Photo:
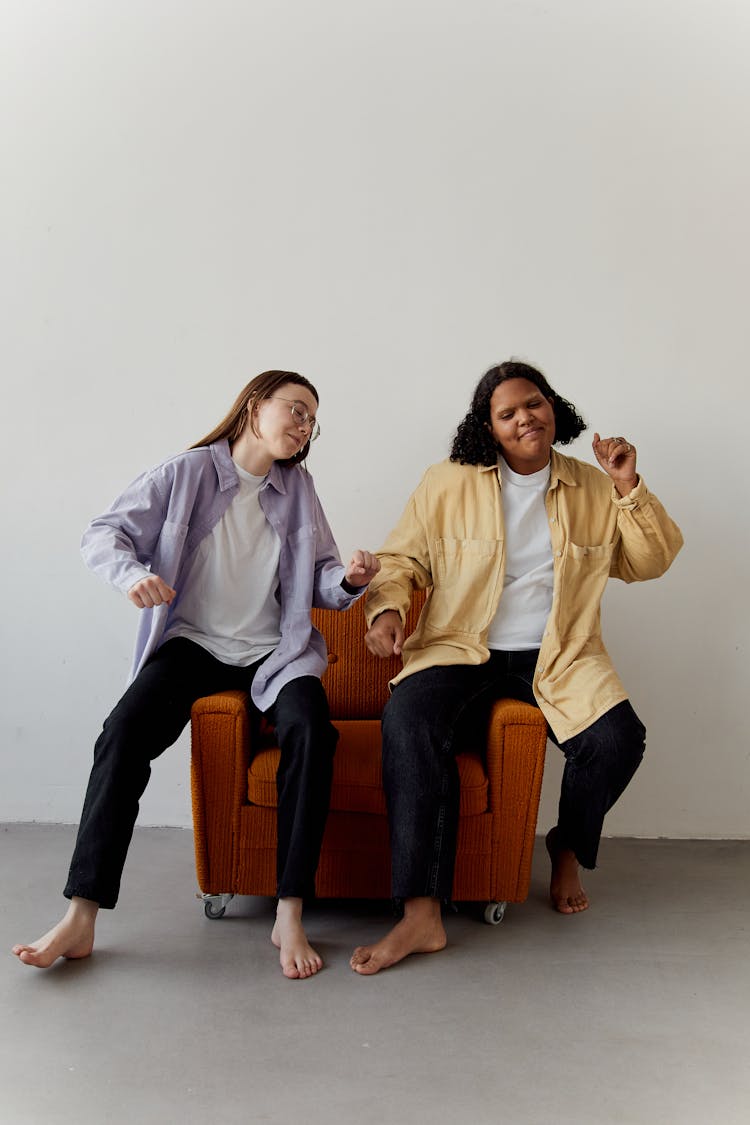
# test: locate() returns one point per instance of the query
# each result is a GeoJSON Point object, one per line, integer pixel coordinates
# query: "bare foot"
{"type": "Point", "coordinates": [72, 937]}
{"type": "Point", "coordinates": [298, 958]}
{"type": "Point", "coordinates": [420, 930]}
{"type": "Point", "coordinates": [565, 890]}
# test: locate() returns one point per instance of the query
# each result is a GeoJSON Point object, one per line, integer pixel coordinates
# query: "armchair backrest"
{"type": "Point", "coordinates": [356, 682]}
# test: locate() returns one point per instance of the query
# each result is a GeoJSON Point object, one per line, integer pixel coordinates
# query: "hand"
{"type": "Point", "coordinates": [151, 591]}
{"type": "Point", "coordinates": [617, 457]}
{"type": "Point", "coordinates": [362, 568]}
{"type": "Point", "coordinates": [385, 637]}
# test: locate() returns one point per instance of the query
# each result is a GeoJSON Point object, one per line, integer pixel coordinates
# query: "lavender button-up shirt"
{"type": "Point", "coordinates": [156, 524]}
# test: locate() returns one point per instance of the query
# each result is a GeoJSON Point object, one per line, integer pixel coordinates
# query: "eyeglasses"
{"type": "Point", "coordinates": [302, 415]}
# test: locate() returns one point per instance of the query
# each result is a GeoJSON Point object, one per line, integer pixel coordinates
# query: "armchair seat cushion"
{"type": "Point", "coordinates": [357, 785]}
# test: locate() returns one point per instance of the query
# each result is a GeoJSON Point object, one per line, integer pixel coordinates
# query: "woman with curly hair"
{"type": "Point", "coordinates": [516, 542]}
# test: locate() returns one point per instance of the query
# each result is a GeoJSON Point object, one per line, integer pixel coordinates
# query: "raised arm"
{"type": "Point", "coordinates": [649, 538]}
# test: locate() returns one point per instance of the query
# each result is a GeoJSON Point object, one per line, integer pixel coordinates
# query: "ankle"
{"type": "Point", "coordinates": [422, 909]}
{"type": "Point", "coordinates": [289, 909]}
{"type": "Point", "coordinates": [84, 909]}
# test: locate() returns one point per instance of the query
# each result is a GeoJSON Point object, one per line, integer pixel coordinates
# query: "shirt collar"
{"type": "Point", "coordinates": [277, 477]}
{"type": "Point", "coordinates": [560, 471]}
{"type": "Point", "coordinates": [227, 473]}
{"type": "Point", "coordinates": [223, 464]}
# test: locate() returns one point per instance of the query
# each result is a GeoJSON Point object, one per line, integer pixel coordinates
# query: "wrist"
{"type": "Point", "coordinates": [625, 487]}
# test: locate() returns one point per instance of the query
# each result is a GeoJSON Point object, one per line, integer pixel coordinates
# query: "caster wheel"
{"type": "Point", "coordinates": [494, 913]}
{"type": "Point", "coordinates": [212, 911]}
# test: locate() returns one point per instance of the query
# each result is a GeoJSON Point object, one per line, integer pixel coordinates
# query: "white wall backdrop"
{"type": "Point", "coordinates": [389, 198]}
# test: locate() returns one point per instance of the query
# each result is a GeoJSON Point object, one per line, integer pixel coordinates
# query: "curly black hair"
{"type": "Point", "coordinates": [474, 443]}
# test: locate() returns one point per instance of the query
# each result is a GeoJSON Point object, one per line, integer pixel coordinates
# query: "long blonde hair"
{"type": "Point", "coordinates": [257, 390]}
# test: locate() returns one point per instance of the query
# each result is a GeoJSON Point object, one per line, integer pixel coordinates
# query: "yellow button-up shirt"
{"type": "Point", "coordinates": [451, 538]}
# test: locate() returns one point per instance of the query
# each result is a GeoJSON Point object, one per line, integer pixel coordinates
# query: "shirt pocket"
{"type": "Point", "coordinates": [584, 577]}
{"type": "Point", "coordinates": [297, 567]}
{"type": "Point", "coordinates": [465, 580]}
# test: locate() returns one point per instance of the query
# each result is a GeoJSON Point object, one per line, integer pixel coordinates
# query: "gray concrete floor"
{"type": "Point", "coordinates": [634, 1012]}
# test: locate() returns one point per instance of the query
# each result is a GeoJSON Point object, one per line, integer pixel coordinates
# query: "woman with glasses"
{"type": "Point", "coordinates": [223, 549]}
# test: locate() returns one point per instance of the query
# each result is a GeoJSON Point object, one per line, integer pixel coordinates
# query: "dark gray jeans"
{"type": "Point", "coordinates": [433, 714]}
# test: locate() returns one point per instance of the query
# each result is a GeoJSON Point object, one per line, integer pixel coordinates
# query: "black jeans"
{"type": "Point", "coordinates": [433, 714]}
{"type": "Point", "coordinates": [150, 717]}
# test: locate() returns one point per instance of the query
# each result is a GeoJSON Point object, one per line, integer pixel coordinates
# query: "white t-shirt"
{"type": "Point", "coordinates": [527, 591]}
{"type": "Point", "coordinates": [230, 604]}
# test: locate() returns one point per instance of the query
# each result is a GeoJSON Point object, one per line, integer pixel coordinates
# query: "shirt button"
{"type": "Point", "coordinates": [558, 554]}
{"type": "Point", "coordinates": [553, 520]}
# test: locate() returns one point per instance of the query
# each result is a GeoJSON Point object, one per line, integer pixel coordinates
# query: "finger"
{"type": "Point", "coordinates": [366, 561]}
{"type": "Point", "coordinates": [382, 640]}
{"type": "Point", "coordinates": [139, 594]}
{"type": "Point", "coordinates": [165, 592]}
{"type": "Point", "coordinates": [151, 592]}
{"type": "Point", "coordinates": [599, 446]}
{"type": "Point", "coordinates": [620, 448]}
{"type": "Point", "coordinates": [150, 595]}
{"type": "Point", "coordinates": [374, 645]}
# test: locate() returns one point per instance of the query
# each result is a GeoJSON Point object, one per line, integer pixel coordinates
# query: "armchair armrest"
{"type": "Point", "coordinates": [220, 757]}
{"type": "Point", "coordinates": [516, 746]}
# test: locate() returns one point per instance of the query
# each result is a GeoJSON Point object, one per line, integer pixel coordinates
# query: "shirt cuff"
{"type": "Point", "coordinates": [634, 498]}
{"type": "Point", "coordinates": [352, 591]}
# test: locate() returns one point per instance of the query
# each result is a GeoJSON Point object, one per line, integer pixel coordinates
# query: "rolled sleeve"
{"type": "Point", "coordinates": [649, 539]}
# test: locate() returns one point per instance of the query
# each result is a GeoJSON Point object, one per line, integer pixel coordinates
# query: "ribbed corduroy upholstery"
{"type": "Point", "coordinates": [234, 790]}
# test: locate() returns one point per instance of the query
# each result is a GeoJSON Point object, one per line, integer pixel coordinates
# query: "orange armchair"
{"type": "Point", "coordinates": [234, 789]}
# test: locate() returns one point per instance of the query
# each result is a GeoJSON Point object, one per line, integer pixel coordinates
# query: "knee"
{"type": "Point", "coordinates": [616, 741]}
{"type": "Point", "coordinates": [633, 735]}
{"type": "Point", "coordinates": [306, 733]}
{"type": "Point", "coordinates": [629, 738]}
{"type": "Point", "coordinates": [123, 736]}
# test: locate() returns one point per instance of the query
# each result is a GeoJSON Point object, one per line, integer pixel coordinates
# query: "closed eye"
{"type": "Point", "coordinates": [302, 415]}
